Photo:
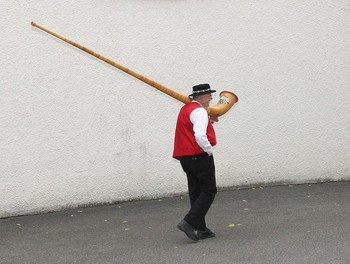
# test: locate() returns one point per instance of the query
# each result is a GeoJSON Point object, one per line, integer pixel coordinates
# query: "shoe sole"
{"type": "Point", "coordinates": [190, 235]}
{"type": "Point", "coordinates": [201, 238]}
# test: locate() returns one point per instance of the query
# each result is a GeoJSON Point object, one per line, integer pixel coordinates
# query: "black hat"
{"type": "Point", "coordinates": [201, 89]}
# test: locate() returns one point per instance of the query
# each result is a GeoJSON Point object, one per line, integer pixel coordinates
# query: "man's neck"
{"type": "Point", "coordinates": [198, 103]}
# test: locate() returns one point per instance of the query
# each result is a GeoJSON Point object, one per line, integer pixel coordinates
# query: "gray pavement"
{"type": "Point", "coordinates": [283, 224]}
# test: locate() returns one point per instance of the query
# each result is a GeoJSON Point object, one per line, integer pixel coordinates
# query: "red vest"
{"type": "Point", "coordinates": [185, 143]}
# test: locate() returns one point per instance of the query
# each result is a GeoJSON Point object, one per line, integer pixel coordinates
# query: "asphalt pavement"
{"type": "Point", "coordinates": [308, 223]}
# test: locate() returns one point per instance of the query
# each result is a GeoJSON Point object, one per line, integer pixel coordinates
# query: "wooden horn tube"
{"type": "Point", "coordinates": [181, 97]}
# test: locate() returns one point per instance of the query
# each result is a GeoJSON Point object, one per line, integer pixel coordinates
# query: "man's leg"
{"type": "Point", "coordinates": [204, 173]}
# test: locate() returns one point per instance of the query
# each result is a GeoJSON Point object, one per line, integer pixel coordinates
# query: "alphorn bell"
{"type": "Point", "coordinates": [226, 101]}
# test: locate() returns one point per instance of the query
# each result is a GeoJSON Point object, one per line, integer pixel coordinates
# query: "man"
{"type": "Point", "coordinates": [193, 146]}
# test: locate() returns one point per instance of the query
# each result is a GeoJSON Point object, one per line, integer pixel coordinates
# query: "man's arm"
{"type": "Point", "coordinates": [199, 119]}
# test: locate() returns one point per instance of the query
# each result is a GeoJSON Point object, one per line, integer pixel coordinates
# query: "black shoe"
{"type": "Point", "coordinates": [205, 234]}
{"type": "Point", "coordinates": [188, 230]}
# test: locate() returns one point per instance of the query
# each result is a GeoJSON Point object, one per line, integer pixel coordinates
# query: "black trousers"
{"type": "Point", "coordinates": [200, 171]}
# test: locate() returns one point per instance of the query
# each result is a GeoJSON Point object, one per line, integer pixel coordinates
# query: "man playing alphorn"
{"type": "Point", "coordinates": [193, 146]}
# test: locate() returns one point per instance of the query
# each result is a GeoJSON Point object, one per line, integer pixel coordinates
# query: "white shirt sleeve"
{"type": "Point", "coordinates": [199, 119]}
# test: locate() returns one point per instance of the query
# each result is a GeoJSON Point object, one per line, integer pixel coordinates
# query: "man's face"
{"type": "Point", "coordinates": [205, 99]}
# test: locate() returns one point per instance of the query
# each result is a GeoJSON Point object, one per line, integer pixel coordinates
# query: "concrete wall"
{"type": "Point", "coordinates": [76, 131]}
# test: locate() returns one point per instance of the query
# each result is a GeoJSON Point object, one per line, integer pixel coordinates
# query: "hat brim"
{"type": "Point", "coordinates": [202, 93]}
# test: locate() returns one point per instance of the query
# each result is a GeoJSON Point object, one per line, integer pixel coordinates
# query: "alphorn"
{"type": "Point", "coordinates": [226, 101]}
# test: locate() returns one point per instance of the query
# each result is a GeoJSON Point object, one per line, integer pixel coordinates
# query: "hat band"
{"type": "Point", "coordinates": [201, 91]}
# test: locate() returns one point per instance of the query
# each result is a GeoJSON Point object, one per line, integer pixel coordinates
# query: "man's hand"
{"type": "Point", "coordinates": [213, 119]}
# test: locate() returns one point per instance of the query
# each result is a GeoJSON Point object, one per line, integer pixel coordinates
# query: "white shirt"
{"type": "Point", "coordinates": [199, 119]}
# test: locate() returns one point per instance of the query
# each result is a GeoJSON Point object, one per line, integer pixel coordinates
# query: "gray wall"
{"type": "Point", "coordinates": [76, 131]}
